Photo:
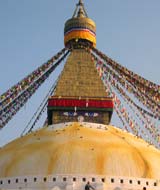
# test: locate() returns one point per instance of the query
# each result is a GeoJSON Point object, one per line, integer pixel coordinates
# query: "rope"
{"type": "Point", "coordinates": [39, 111]}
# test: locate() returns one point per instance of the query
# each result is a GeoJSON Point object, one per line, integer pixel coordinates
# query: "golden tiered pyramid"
{"type": "Point", "coordinates": [80, 77]}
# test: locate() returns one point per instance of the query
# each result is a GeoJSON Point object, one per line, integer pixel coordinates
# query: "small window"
{"type": "Point", "coordinates": [130, 181]}
{"type": "Point", "coordinates": [139, 182]}
{"type": "Point", "coordinates": [93, 179]}
{"type": "Point", "coordinates": [64, 179]}
{"type": "Point", "coordinates": [144, 188]}
{"type": "Point", "coordinates": [35, 179]}
{"type": "Point", "coordinates": [103, 180]}
{"type": "Point", "coordinates": [147, 183]}
{"type": "Point", "coordinates": [121, 181]}
{"type": "Point", "coordinates": [84, 179]}
{"type": "Point", "coordinates": [9, 181]}
{"type": "Point", "coordinates": [54, 179]}
{"type": "Point", "coordinates": [112, 180]}
{"type": "Point", "coordinates": [155, 184]}
{"type": "Point", "coordinates": [44, 179]}
{"type": "Point", "coordinates": [16, 180]}
{"type": "Point", "coordinates": [25, 180]}
{"type": "Point", "coordinates": [1, 182]}
{"type": "Point", "coordinates": [74, 179]}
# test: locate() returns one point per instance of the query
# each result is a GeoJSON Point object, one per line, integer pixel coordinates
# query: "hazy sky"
{"type": "Point", "coordinates": [31, 31]}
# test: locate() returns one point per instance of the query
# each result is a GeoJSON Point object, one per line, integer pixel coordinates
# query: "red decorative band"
{"type": "Point", "coordinates": [80, 103]}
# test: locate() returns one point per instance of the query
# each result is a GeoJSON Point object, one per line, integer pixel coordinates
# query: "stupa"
{"type": "Point", "coordinates": [79, 144]}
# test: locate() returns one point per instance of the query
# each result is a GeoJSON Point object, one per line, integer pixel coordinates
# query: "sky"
{"type": "Point", "coordinates": [31, 32]}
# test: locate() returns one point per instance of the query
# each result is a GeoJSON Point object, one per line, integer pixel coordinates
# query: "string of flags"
{"type": "Point", "coordinates": [7, 111]}
{"type": "Point", "coordinates": [141, 121]}
{"type": "Point", "coordinates": [21, 86]}
{"type": "Point", "coordinates": [131, 87]}
{"type": "Point", "coordinates": [146, 87]}
{"type": "Point", "coordinates": [42, 107]}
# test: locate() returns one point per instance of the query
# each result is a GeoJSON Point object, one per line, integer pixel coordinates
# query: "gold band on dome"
{"type": "Point", "coordinates": [79, 34]}
{"type": "Point", "coordinates": [80, 22]}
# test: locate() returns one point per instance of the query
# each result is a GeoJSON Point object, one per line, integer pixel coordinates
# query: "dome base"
{"type": "Point", "coordinates": [77, 182]}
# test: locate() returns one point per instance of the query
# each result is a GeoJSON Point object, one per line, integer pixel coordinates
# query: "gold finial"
{"type": "Point", "coordinates": [80, 2]}
{"type": "Point", "coordinates": [80, 10]}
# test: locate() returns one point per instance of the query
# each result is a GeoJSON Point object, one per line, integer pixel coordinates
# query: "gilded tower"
{"type": "Point", "coordinates": [80, 93]}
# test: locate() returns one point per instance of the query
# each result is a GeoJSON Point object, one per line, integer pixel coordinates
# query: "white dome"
{"type": "Point", "coordinates": [80, 148]}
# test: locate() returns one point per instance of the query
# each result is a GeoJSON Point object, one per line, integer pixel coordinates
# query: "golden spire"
{"type": "Point", "coordinates": [80, 91]}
